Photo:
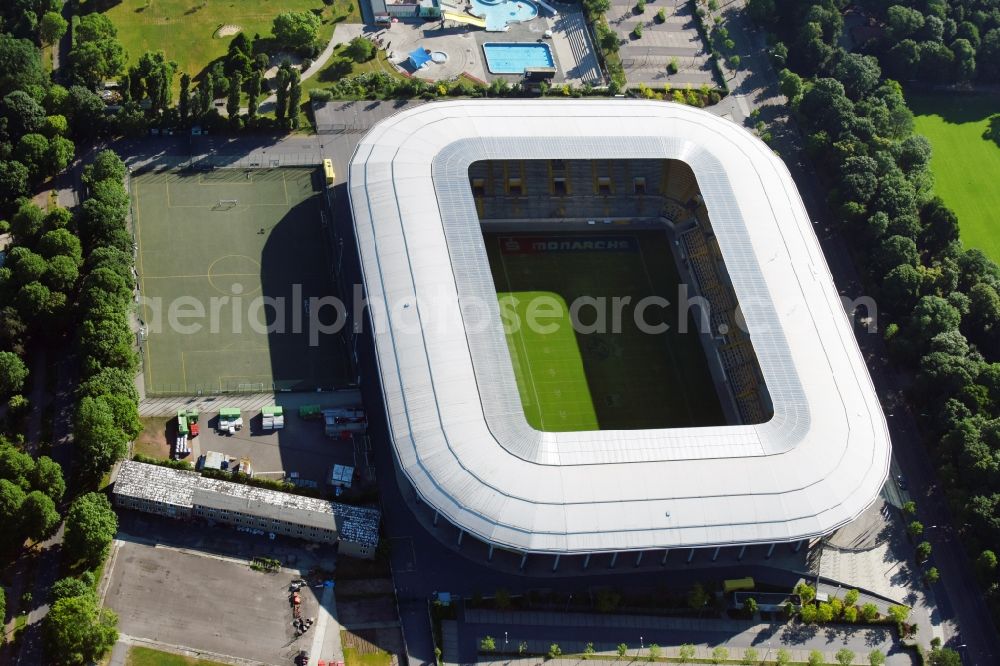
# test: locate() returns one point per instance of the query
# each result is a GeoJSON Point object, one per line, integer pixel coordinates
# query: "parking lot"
{"type": "Point", "coordinates": [205, 602]}
{"type": "Point", "coordinates": [300, 446]}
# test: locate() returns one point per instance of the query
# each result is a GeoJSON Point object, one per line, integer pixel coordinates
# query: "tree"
{"type": "Point", "coordinates": [253, 94]}
{"type": "Point", "coordinates": [11, 499]}
{"type": "Point", "coordinates": [294, 100]}
{"type": "Point", "coordinates": [860, 74]}
{"type": "Point", "coordinates": [933, 315]}
{"type": "Point", "coordinates": [85, 111]}
{"type": "Point", "coordinates": [47, 477]}
{"type": "Point", "coordinates": [65, 588]}
{"type": "Point", "coordinates": [869, 612]}
{"type": "Point", "coordinates": [719, 655]}
{"type": "Point", "coordinates": [915, 528]}
{"type": "Point", "coordinates": [686, 653]}
{"type": "Point", "coordinates": [39, 517]}
{"type": "Point", "coordinates": [824, 612]}
{"type": "Point", "coordinates": [932, 575]}
{"type": "Point", "coordinates": [106, 166]}
{"type": "Point", "coordinates": [281, 81]}
{"type": "Point", "coordinates": [986, 565]}
{"type": "Point", "coordinates": [750, 657]}
{"type": "Point", "coordinates": [51, 28]}
{"type": "Point", "coordinates": [32, 150]}
{"type": "Point", "coordinates": [184, 101]}
{"type": "Point", "coordinates": [588, 650]}
{"type": "Point", "coordinates": [622, 650]}
{"type": "Point", "coordinates": [295, 29]}
{"type": "Point", "coordinates": [487, 644]}
{"type": "Point", "coordinates": [20, 65]}
{"type": "Point", "coordinates": [876, 658]}
{"type": "Point", "coordinates": [97, 435]}
{"type": "Point", "coordinates": [899, 614]}
{"type": "Point", "coordinates": [903, 22]}
{"type": "Point", "coordinates": [23, 114]}
{"type": "Point", "coordinates": [988, 53]}
{"type": "Point", "coordinates": [851, 597]}
{"type": "Point", "coordinates": [96, 54]}
{"type": "Point", "coordinates": [965, 60]}
{"type": "Point", "coordinates": [698, 598]}
{"type": "Point", "coordinates": [750, 606]}
{"type": "Point", "coordinates": [554, 651]}
{"type": "Point", "coordinates": [25, 266]}
{"type": "Point", "coordinates": [792, 85]}
{"type": "Point", "coordinates": [58, 155]}
{"type": "Point", "coordinates": [808, 613]}
{"type": "Point", "coordinates": [815, 658]}
{"type": "Point", "coordinates": [233, 100]}
{"type": "Point", "coordinates": [13, 179]}
{"type": "Point", "coordinates": [782, 657]}
{"type": "Point", "coordinates": [654, 651]}
{"type": "Point", "coordinates": [944, 657]}
{"type": "Point", "coordinates": [923, 551]}
{"type": "Point", "coordinates": [844, 657]}
{"type": "Point", "coordinates": [806, 592]}
{"type": "Point", "coordinates": [360, 49]}
{"type": "Point", "coordinates": [76, 631]}
{"type": "Point", "coordinates": [90, 526]}
{"type": "Point", "coordinates": [13, 374]}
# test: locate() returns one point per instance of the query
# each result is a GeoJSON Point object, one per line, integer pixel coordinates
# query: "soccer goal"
{"type": "Point", "coordinates": [226, 204]}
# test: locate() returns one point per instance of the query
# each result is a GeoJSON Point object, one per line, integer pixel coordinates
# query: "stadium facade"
{"type": "Point", "coordinates": [453, 410]}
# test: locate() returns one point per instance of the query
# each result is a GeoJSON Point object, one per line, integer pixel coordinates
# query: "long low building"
{"type": "Point", "coordinates": [814, 461]}
{"type": "Point", "coordinates": [185, 494]}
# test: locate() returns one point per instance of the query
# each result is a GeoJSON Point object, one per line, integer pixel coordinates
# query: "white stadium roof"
{"type": "Point", "coordinates": [454, 414]}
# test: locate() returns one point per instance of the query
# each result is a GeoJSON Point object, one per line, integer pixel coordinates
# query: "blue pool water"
{"type": "Point", "coordinates": [514, 58]}
{"type": "Point", "coordinates": [498, 13]}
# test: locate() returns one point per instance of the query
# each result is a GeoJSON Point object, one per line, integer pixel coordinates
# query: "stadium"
{"type": "Point", "coordinates": [736, 411]}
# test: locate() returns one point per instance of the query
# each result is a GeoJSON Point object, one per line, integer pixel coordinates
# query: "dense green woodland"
{"type": "Point", "coordinates": [65, 286]}
{"type": "Point", "coordinates": [939, 307]}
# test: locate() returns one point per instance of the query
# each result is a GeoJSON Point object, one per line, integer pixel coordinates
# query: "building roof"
{"type": "Point", "coordinates": [188, 489]}
{"type": "Point", "coordinates": [451, 399]}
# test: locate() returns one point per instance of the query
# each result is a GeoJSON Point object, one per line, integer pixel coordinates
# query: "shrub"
{"type": "Point", "coordinates": [637, 31]}
{"type": "Point", "coordinates": [661, 16]}
{"type": "Point", "coordinates": [673, 66]}
{"type": "Point", "coordinates": [640, 7]}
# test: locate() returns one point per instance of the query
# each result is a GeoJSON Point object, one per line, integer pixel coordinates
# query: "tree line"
{"type": "Point", "coordinates": [939, 302]}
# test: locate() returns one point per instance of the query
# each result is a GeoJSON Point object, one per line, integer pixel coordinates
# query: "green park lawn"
{"type": "Point", "coordinates": [184, 29]}
{"type": "Point", "coordinates": [966, 166]}
{"type": "Point", "coordinates": [141, 656]}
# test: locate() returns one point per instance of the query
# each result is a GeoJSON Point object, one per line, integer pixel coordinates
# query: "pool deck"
{"type": "Point", "coordinates": [572, 50]}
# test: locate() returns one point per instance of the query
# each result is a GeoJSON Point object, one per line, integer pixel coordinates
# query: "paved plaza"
{"type": "Point", "coordinates": [645, 59]}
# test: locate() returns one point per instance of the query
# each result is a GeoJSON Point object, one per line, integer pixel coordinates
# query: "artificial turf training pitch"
{"type": "Point", "coordinates": [573, 380]}
{"type": "Point", "coordinates": [197, 256]}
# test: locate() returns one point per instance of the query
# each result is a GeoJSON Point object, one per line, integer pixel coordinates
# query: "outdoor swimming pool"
{"type": "Point", "coordinates": [498, 13]}
{"type": "Point", "coordinates": [514, 57]}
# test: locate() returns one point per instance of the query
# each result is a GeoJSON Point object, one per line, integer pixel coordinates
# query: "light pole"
{"type": "Point", "coordinates": [641, 646]}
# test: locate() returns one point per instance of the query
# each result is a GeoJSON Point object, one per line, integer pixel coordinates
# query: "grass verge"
{"type": "Point", "coordinates": [966, 165]}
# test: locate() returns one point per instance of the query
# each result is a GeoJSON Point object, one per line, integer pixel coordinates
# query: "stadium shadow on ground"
{"type": "Point", "coordinates": [297, 269]}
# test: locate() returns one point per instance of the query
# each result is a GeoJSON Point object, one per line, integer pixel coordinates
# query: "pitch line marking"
{"type": "Point", "coordinates": [524, 348]}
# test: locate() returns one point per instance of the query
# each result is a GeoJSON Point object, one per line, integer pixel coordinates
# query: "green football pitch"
{"type": "Point", "coordinates": [966, 165]}
{"type": "Point", "coordinates": [228, 261]}
{"type": "Point", "coordinates": [599, 377]}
